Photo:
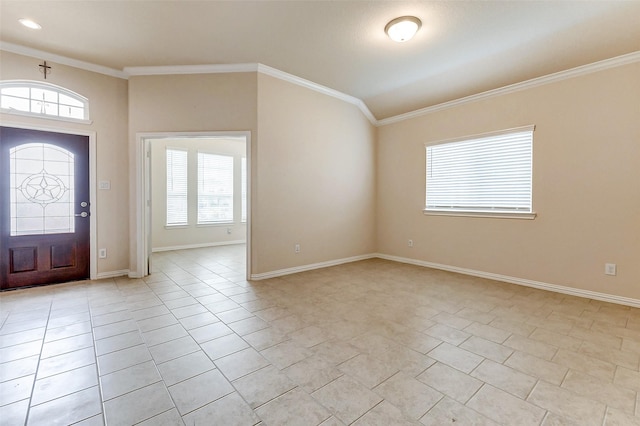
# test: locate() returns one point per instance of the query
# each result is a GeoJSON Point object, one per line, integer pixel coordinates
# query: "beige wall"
{"type": "Point", "coordinates": [320, 180]}
{"type": "Point", "coordinates": [586, 186]}
{"type": "Point", "coordinates": [315, 178]}
{"type": "Point", "coordinates": [108, 107]}
{"type": "Point", "coordinates": [188, 103]}
{"type": "Point", "coordinates": [162, 236]}
{"type": "Point", "coordinates": [312, 159]}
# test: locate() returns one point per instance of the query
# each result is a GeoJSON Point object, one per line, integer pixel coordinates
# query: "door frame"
{"type": "Point", "coordinates": [142, 203]}
{"type": "Point", "coordinates": [93, 218]}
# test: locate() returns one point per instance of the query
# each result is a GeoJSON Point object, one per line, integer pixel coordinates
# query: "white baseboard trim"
{"type": "Point", "coordinates": [303, 268]}
{"type": "Point", "coordinates": [611, 298]}
{"type": "Point", "coordinates": [111, 274]}
{"type": "Point", "coordinates": [192, 246]}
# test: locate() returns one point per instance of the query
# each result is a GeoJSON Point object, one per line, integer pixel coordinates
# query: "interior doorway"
{"type": "Point", "coordinates": [195, 193]}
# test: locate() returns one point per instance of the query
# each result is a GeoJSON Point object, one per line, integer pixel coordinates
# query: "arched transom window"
{"type": "Point", "coordinates": [42, 100]}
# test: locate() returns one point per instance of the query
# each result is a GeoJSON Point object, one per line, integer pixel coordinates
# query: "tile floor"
{"type": "Point", "coordinates": [367, 343]}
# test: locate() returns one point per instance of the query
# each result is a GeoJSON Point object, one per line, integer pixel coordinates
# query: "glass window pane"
{"type": "Point", "coordinates": [41, 189]}
{"type": "Point", "coordinates": [67, 100]}
{"type": "Point", "coordinates": [37, 107]}
{"type": "Point", "coordinates": [71, 112]}
{"type": "Point", "coordinates": [177, 206]}
{"type": "Point", "coordinates": [29, 226]}
{"type": "Point", "coordinates": [20, 92]}
{"type": "Point", "coordinates": [28, 209]}
{"type": "Point", "coordinates": [215, 188]}
{"type": "Point", "coordinates": [18, 104]}
{"type": "Point", "coordinates": [50, 108]}
{"type": "Point", "coordinates": [44, 95]}
{"type": "Point", "coordinates": [40, 98]}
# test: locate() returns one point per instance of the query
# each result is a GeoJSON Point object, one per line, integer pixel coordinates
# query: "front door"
{"type": "Point", "coordinates": [44, 207]}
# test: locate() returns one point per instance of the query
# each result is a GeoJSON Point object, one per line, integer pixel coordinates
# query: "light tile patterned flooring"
{"type": "Point", "coordinates": [367, 343]}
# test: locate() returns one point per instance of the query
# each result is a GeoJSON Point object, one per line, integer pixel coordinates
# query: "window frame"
{"type": "Point", "coordinates": [243, 190]}
{"type": "Point", "coordinates": [491, 213]}
{"type": "Point", "coordinates": [30, 85]}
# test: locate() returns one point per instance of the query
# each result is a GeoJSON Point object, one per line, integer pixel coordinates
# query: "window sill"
{"type": "Point", "coordinates": [206, 225]}
{"type": "Point", "coordinates": [186, 225]}
{"type": "Point", "coordinates": [495, 215]}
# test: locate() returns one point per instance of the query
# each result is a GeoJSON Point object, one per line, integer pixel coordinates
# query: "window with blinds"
{"type": "Point", "coordinates": [215, 188]}
{"type": "Point", "coordinates": [490, 173]}
{"type": "Point", "coordinates": [177, 187]}
{"type": "Point", "coordinates": [243, 177]}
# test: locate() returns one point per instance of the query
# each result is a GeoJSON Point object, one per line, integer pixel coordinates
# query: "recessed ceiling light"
{"type": "Point", "coordinates": [403, 28]}
{"type": "Point", "coordinates": [30, 24]}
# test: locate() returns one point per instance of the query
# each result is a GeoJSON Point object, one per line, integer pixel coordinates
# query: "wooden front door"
{"type": "Point", "coordinates": [44, 207]}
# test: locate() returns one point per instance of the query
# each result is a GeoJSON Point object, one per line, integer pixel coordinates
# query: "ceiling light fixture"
{"type": "Point", "coordinates": [403, 28]}
{"type": "Point", "coordinates": [30, 24]}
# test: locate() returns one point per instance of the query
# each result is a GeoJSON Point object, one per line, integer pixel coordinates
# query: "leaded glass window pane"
{"type": "Point", "coordinates": [41, 187]}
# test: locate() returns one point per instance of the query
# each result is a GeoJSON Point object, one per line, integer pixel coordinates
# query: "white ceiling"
{"type": "Point", "coordinates": [463, 48]}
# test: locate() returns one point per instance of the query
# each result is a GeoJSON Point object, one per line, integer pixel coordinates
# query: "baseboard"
{"type": "Point", "coordinates": [620, 300]}
{"type": "Point", "coordinates": [192, 246]}
{"type": "Point", "coordinates": [111, 274]}
{"type": "Point", "coordinates": [611, 298]}
{"type": "Point", "coordinates": [310, 267]}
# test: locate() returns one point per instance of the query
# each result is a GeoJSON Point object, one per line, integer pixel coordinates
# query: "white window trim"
{"type": "Point", "coordinates": [178, 226]}
{"type": "Point", "coordinates": [47, 86]}
{"type": "Point", "coordinates": [497, 214]}
{"type": "Point", "coordinates": [214, 224]}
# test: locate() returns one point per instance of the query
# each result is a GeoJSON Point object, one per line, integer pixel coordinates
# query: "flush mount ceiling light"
{"type": "Point", "coordinates": [30, 24]}
{"type": "Point", "coordinates": [403, 28]}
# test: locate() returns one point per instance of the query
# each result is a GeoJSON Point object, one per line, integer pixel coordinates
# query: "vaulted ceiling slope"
{"type": "Point", "coordinates": [463, 48]}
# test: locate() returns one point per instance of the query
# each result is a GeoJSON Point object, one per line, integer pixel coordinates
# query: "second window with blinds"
{"type": "Point", "coordinates": [217, 178]}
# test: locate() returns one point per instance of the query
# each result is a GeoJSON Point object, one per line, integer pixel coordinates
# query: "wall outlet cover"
{"type": "Point", "coordinates": [610, 268]}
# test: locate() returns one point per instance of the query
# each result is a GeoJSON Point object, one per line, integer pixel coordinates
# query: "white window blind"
{"type": "Point", "coordinates": [244, 189]}
{"type": "Point", "coordinates": [489, 173]}
{"type": "Point", "coordinates": [215, 188]}
{"type": "Point", "coordinates": [176, 187]}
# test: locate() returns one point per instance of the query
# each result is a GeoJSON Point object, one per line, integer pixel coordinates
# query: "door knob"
{"type": "Point", "coordinates": [83, 214]}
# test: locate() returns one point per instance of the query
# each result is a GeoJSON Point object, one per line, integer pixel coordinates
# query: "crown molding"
{"type": "Point", "coordinates": [267, 70]}
{"type": "Point", "coordinates": [191, 69]}
{"type": "Point", "coordinates": [63, 60]}
{"type": "Point", "coordinates": [273, 72]}
{"type": "Point", "coordinates": [617, 61]}
{"type": "Point", "coordinates": [252, 67]}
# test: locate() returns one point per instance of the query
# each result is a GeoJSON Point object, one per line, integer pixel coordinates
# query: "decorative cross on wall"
{"type": "Point", "coordinates": [45, 69]}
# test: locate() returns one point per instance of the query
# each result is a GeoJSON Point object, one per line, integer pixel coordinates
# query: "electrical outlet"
{"type": "Point", "coordinates": [297, 248]}
{"type": "Point", "coordinates": [102, 253]}
{"type": "Point", "coordinates": [609, 268]}
{"type": "Point", "coordinates": [410, 243]}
